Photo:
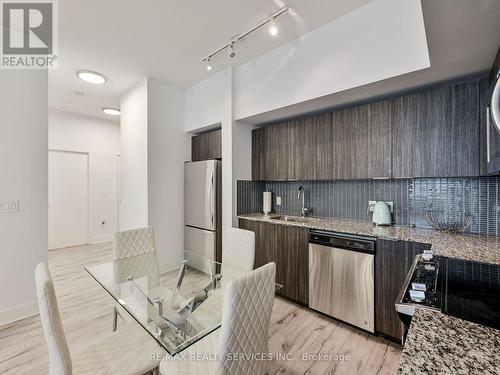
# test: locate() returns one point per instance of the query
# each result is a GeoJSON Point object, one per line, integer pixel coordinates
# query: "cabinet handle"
{"type": "Point", "coordinates": [488, 124]}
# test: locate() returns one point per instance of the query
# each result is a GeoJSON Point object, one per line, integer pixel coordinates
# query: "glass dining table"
{"type": "Point", "coordinates": [177, 307]}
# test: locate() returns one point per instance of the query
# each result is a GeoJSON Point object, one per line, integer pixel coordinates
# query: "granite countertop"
{"type": "Point", "coordinates": [454, 245]}
{"type": "Point", "coordinates": [441, 344]}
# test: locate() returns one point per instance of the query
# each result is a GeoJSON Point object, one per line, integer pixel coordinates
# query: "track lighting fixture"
{"type": "Point", "coordinates": [230, 50]}
{"type": "Point", "coordinates": [273, 30]}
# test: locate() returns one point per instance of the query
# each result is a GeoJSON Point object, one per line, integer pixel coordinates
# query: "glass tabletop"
{"type": "Point", "coordinates": [177, 307]}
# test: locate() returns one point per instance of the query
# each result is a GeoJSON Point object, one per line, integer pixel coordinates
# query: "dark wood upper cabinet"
{"type": "Point", "coordinates": [379, 161]}
{"type": "Point", "coordinates": [309, 157]}
{"type": "Point", "coordinates": [484, 94]}
{"type": "Point", "coordinates": [361, 146]}
{"type": "Point", "coordinates": [206, 146]}
{"type": "Point", "coordinates": [393, 260]}
{"type": "Point", "coordinates": [436, 132]}
{"type": "Point", "coordinates": [433, 133]}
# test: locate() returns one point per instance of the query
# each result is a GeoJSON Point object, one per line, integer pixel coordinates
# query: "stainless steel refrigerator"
{"type": "Point", "coordinates": [202, 208]}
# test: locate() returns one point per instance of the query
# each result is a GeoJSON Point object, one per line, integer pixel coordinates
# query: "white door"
{"type": "Point", "coordinates": [68, 199]}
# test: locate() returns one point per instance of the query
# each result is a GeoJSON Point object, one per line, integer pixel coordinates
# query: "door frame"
{"type": "Point", "coordinates": [87, 154]}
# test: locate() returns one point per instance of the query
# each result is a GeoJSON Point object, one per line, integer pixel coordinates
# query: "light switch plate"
{"type": "Point", "coordinates": [278, 201]}
{"type": "Point", "coordinates": [9, 206]}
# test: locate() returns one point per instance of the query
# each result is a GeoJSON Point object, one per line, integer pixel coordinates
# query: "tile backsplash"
{"type": "Point", "coordinates": [479, 196]}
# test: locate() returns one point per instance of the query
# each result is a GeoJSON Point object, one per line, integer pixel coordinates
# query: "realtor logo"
{"type": "Point", "coordinates": [29, 34]}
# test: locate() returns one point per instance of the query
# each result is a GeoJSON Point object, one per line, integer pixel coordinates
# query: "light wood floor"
{"type": "Point", "coordinates": [86, 312]}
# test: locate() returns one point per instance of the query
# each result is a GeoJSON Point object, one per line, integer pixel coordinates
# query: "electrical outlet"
{"type": "Point", "coordinates": [9, 206]}
{"type": "Point", "coordinates": [278, 201]}
{"type": "Point", "coordinates": [371, 205]}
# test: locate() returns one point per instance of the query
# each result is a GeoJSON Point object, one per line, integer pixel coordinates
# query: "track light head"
{"type": "Point", "coordinates": [209, 66]}
{"type": "Point", "coordinates": [273, 28]}
{"type": "Point", "coordinates": [230, 50]}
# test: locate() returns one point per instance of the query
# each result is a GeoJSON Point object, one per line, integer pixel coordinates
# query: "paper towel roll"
{"type": "Point", "coordinates": [267, 199]}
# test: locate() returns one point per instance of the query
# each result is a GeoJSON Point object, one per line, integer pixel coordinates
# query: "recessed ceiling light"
{"type": "Point", "coordinates": [111, 111]}
{"type": "Point", "coordinates": [91, 77]}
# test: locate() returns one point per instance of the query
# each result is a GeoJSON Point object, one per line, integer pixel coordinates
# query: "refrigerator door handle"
{"type": "Point", "coordinates": [210, 197]}
{"type": "Point", "coordinates": [488, 125]}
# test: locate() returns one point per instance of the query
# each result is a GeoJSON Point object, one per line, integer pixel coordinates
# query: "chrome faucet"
{"type": "Point", "coordinates": [303, 210]}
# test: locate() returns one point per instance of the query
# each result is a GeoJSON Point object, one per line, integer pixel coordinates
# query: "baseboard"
{"type": "Point", "coordinates": [18, 313]}
{"type": "Point", "coordinates": [101, 239]}
{"type": "Point", "coordinates": [170, 266]}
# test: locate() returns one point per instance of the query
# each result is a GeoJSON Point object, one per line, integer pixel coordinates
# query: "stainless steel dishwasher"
{"type": "Point", "coordinates": [341, 269]}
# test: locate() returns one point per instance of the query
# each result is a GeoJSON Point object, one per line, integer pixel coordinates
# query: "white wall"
{"type": "Point", "coordinates": [23, 162]}
{"type": "Point", "coordinates": [380, 40]}
{"type": "Point", "coordinates": [166, 155]}
{"type": "Point", "coordinates": [101, 140]}
{"type": "Point", "coordinates": [206, 101]}
{"type": "Point", "coordinates": [242, 160]}
{"type": "Point", "coordinates": [134, 158]}
{"type": "Point", "coordinates": [211, 102]}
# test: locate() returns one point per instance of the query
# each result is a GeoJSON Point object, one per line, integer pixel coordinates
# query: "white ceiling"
{"type": "Point", "coordinates": [165, 39]}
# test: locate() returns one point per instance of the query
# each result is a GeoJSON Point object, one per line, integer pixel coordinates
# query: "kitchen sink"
{"type": "Point", "coordinates": [293, 219]}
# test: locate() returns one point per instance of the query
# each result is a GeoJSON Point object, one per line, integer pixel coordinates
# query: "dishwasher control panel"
{"type": "Point", "coordinates": [343, 241]}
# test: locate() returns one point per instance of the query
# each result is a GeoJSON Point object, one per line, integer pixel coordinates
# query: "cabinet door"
{"type": "Point", "coordinates": [287, 247]}
{"type": "Point", "coordinates": [265, 241]}
{"type": "Point", "coordinates": [214, 144]}
{"type": "Point", "coordinates": [484, 92]}
{"type": "Point", "coordinates": [436, 132]}
{"type": "Point", "coordinates": [281, 136]}
{"type": "Point", "coordinates": [309, 148]}
{"type": "Point", "coordinates": [350, 144]}
{"type": "Point", "coordinates": [262, 154]}
{"type": "Point", "coordinates": [256, 150]}
{"type": "Point", "coordinates": [361, 141]}
{"type": "Point", "coordinates": [379, 156]}
{"type": "Point", "coordinates": [196, 148]}
{"type": "Point", "coordinates": [393, 260]}
{"type": "Point", "coordinates": [293, 262]}
{"type": "Point", "coordinates": [206, 146]}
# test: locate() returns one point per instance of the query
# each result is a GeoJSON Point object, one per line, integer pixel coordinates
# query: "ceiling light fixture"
{"type": "Point", "coordinates": [273, 28]}
{"type": "Point", "coordinates": [209, 66]}
{"type": "Point", "coordinates": [91, 77]}
{"type": "Point", "coordinates": [229, 45]}
{"type": "Point", "coordinates": [111, 111]}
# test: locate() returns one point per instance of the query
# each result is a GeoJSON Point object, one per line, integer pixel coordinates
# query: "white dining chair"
{"type": "Point", "coordinates": [248, 302]}
{"type": "Point", "coordinates": [238, 255]}
{"type": "Point", "coordinates": [238, 252]}
{"type": "Point", "coordinates": [130, 351]}
{"type": "Point", "coordinates": [132, 243]}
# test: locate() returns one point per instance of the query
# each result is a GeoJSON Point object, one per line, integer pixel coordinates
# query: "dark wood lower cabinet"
{"type": "Point", "coordinates": [287, 246]}
{"type": "Point", "coordinates": [393, 260]}
{"type": "Point", "coordinates": [292, 262]}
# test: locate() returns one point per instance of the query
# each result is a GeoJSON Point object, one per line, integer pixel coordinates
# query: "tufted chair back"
{"type": "Point", "coordinates": [130, 243]}
{"type": "Point", "coordinates": [248, 302]}
{"type": "Point", "coordinates": [238, 253]}
{"type": "Point", "coordinates": [59, 355]}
